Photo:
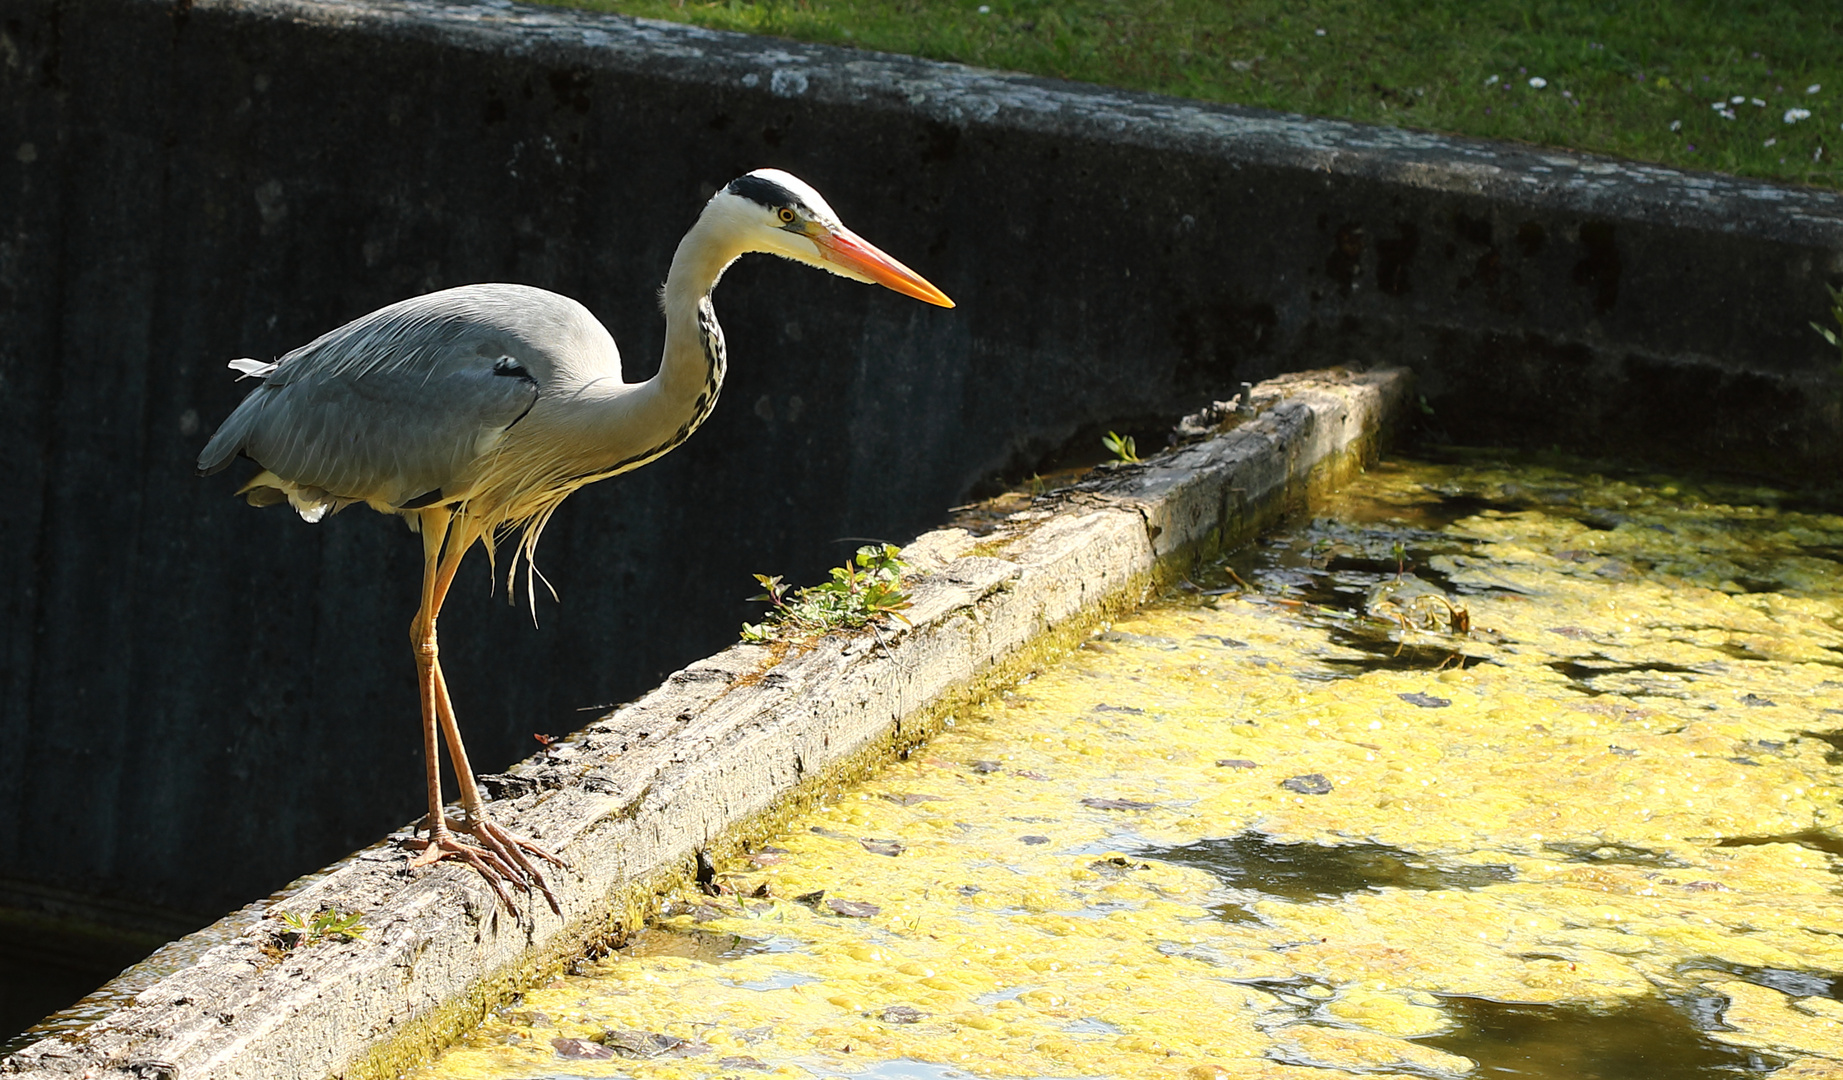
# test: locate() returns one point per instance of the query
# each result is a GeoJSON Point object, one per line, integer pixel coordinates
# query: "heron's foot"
{"type": "Point", "coordinates": [499, 856]}
{"type": "Point", "coordinates": [508, 844]}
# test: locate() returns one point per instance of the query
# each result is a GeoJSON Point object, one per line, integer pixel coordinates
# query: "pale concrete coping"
{"type": "Point", "coordinates": [705, 764]}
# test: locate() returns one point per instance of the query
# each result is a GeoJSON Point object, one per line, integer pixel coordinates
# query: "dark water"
{"type": "Point", "coordinates": [1309, 872]}
{"type": "Point", "coordinates": [1651, 1039]}
{"type": "Point", "coordinates": [707, 946]}
{"type": "Point", "coordinates": [68, 960]}
{"type": "Point", "coordinates": [60, 949]}
{"type": "Point", "coordinates": [1816, 839]}
{"type": "Point", "coordinates": [33, 985]}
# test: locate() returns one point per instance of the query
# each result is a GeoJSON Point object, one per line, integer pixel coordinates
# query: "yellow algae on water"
{"type": "Point", "coordinates": [1483, 746]}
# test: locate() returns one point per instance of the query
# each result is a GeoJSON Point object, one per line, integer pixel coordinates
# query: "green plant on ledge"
{"type": "Point", "coordinates": [1836, 312]}
{"type": "Point", "coordinates": [867, 586]}
{"type": "Point", "coordinates": [1120, 446]}
{"type": "Point", "coordinates": [323, 926]}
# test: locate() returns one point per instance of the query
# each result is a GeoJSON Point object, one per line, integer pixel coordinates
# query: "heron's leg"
{"type": "Point", "coordinates": [422, 640]}
{"type": "Point", "coordinates": [461, 539]}
{"type": "Point", "coordinates": [501, 853]}
{"type": "Point", "coordinates": [508, 846]}
{"type": "Point", "coordinates": [492, 865]}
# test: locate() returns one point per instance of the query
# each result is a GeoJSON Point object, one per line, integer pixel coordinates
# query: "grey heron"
{"type": "Point", "coordinates": [475, 411]}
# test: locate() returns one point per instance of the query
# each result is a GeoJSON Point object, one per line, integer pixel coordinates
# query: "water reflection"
{"type": "Point", "coordinates": [1648, 1039]}
{"type": "Point", "coordinates": [1308, 872]}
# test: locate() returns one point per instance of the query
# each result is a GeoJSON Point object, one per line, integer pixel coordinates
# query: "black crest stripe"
{"type": "Point", "coordinates": [757, 189]}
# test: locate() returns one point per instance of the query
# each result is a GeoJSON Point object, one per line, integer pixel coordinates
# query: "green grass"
{"type": "Point", "coordinates": [1619, 74]}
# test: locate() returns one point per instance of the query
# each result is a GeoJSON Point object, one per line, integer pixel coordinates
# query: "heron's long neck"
{"type": "Point", "coordinates": [624, 425]}
{"type": "Point", "coordinates": [692, 369]}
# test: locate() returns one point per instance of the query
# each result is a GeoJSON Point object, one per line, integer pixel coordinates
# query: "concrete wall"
{"type": "Point", "coordinates": [199, 700]}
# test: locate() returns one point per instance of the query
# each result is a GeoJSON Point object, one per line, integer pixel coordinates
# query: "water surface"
{"type": "Point", "coordinates": [1493, 769]}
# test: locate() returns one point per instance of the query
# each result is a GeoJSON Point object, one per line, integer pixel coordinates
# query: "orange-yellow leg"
{"type": "Point", "coordinates": [499, 856]}
{"type": "Point", "coordinates": [508, 848]}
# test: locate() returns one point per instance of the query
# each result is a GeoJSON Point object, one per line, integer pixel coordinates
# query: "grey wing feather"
{"type": "Point", "coordinates": [400, 402]}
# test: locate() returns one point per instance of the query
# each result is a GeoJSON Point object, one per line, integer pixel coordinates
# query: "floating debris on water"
{"type": "Point", "coordinates": [1495, 768]}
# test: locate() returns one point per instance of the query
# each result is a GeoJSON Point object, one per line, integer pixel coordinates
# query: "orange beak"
{"type": "Point", "coordinates": [849, 249]}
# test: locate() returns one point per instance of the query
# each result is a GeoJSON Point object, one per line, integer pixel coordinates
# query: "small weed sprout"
{"type": "Point", "coordinates": [1836, 312]}
{"type": "Point", "coordinates": [869, 585]}
{"type": "Point", "coordinates": [1120, 446]}
{"type": "Point", "coordinates": [324, 925]}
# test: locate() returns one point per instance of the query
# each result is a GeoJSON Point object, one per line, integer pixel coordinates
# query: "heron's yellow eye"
{"type": "Point", "coordinates": [786, 215]}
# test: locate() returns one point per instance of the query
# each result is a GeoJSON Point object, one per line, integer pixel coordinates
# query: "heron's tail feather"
{"type": "Point", "coordinates": [223, 447]}
{"type": "Point", "coordinates": [234, 433]}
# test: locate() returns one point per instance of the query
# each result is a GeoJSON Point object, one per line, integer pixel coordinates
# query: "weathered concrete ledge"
{"type": "Point", "coordinates": [706, 763]}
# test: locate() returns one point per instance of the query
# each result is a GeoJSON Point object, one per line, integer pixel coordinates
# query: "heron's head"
{"type": "Point", "coordinates": [781, 214]}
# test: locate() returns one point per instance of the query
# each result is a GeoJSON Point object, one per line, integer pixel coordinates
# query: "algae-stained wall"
{"type": "Point", "coordinates": [200, 700]}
